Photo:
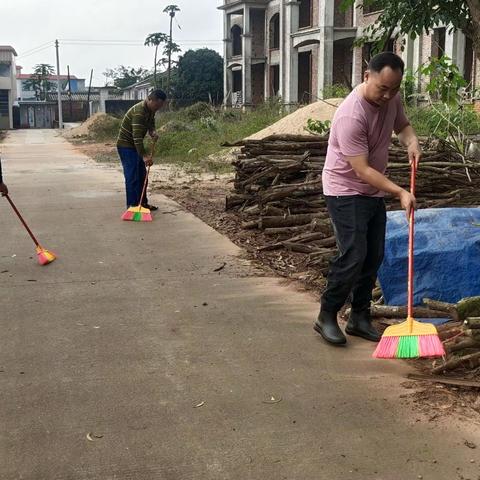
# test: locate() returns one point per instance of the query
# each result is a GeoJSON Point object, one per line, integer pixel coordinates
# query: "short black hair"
{"type": "Point", "coordinates": [157, 95]}
{"type": "Point", "coordinates": [386, 59]}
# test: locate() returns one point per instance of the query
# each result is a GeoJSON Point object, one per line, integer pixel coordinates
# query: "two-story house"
{"type": "Point", "coordinates": [8, 88]}
{"type": "Point", "coordinates": [296, 48]}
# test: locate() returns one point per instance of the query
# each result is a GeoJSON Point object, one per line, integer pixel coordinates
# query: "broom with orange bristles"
{"type": "Point", "coordinates": [44, 256]}
{"type": "Point", "coordinates": [410, 339]}
{"type": "Point", "coordinates": [140, 213]}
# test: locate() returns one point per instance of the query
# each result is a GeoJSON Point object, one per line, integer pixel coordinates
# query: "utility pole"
{"type": "Point", "coordinates": [172, 14]}
{"type": "Point", "coordinates": [59, 89]}
{"type": "Point", "coordinates": [70, 93]}
{"type": "Point", "coordinates": [88, 95]}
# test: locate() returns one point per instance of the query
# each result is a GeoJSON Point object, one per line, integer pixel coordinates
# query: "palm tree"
{"type": "Point", "coordinates": [156, 39]}
{"type": "Point", "coordinates": [171, 10]}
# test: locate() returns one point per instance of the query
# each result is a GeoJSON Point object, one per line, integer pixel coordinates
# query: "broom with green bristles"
{"type": "Point", "coordinates": [410, 339]}
{"type": "Point", "coordinates": [140, 213]}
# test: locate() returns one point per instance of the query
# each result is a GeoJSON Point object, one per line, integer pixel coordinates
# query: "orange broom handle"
{"type": "Point", "coordinates": [411, 235]}
{"type": "Point", "coordinates": [146, 176]}
{"type": "Point", "coordinates": [144, 186]}
{"type": "Point", "coordinates": [22, 220]}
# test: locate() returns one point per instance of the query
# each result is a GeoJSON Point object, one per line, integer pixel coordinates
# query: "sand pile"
{"type": "Point", "coordinates": [83, 129]}
{"type": "Point", "coordinates": [296, 122]}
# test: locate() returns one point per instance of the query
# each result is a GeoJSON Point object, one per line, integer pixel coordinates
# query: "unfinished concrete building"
{"type": "Point", "coordinates": [294, 49]}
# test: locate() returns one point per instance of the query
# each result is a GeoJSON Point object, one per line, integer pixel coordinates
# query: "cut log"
{"type": "Point", "coordinates": [464, 344]}
{"type": "Point", "coordinates": [401, 312]}
{"type": "Point", "coordinates": [468, 307]}
{"type": "Point", "coordinates": [291, 220]}
{"type": "Point", "coordinates": [458, 382]}
{"type": "Point", "coordinates": [449, 308]}
{"type": "Point", "coordinates": [250, 225]}
{"type": "Point", "coordinates": [235, 199]}
{"type": "Point", "coordinates": [472, 322]}
{"type": "Point", "coordinates": [456, 362]}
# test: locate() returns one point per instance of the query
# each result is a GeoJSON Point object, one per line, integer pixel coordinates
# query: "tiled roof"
{"type": "Point", "coordinates": [8, 48]}
{"type": "Point", "coordinates": [27, 76]}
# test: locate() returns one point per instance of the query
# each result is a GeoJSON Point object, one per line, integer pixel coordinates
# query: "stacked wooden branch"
{"type": "Point", "coordinates": [460, 336]}
{"type": "Point", "coordinates": [278, 190]}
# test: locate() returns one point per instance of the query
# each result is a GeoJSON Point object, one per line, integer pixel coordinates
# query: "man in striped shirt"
{"type": "Point", "coordinates": [139, 120]}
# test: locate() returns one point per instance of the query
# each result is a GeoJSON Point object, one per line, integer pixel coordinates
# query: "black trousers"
{"type": "Point", "coordinates": [359, 224]}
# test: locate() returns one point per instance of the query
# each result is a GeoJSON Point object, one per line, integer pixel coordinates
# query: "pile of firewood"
{"type": "Point", "coordinates": [278, 190]}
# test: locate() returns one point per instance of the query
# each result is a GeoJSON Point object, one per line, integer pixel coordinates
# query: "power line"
{"type": "Point", "coordinates": [128, 42]}
{"type": "Point", "coordinates": [37, 49]}
{"type": "Point", "coordinates": [50, 42]}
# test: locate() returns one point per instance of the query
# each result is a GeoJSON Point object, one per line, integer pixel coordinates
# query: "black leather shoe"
{"type": "Point", "coordinates": [360, 325]}
{"type": "Point", "coordinates": [327, 326]}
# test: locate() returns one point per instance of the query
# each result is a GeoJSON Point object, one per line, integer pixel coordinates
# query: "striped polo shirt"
{"type": "Point", "coordinates": [135, 124]}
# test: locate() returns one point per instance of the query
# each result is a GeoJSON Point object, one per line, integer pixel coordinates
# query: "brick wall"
{"type": "Point", "coordinates": [365, 20]}
{"type": "Point", "coordinates": [342, 19]}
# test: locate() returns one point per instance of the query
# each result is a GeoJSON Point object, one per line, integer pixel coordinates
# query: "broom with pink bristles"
{"type": "Point", "coordinates": [44, 256]}
{"type": "Point", "coordinates": [410, 339]}
{"type": "Point", "coordinates": [140, 213]}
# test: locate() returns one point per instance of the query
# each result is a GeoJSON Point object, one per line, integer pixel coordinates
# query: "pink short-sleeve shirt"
{"type": "Point", "coordinates": [358, 128]}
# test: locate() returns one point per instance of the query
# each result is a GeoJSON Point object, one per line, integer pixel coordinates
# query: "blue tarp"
{"type": "Point", "coordinates": [447, 255]}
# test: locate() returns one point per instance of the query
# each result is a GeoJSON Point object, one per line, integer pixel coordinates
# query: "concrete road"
{"type": "Point", "coordinates": [171, 367]}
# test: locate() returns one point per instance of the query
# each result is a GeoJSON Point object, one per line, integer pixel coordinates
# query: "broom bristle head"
{"type": "Point", "coordinates": [409, 339]}
{"type": "Point", "coordinates": [386, 347]}
{"type": "Point", "coordinates": [45, 256]}
{"type": "Point", "coordinates": [127, 216]}
{"type": "Point", "coordinates": [137, 214]}
{"type": "Point", "coordinates": [431, 346]}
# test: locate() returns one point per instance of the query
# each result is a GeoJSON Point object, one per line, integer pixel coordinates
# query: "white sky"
{"type": "Point", "coordinates": [28, 24]}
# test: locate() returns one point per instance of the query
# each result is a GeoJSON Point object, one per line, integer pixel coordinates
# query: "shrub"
{"type": "Point", "coordinates": [198, 110]}
{"type": "Point", "coordinates": [336, 91]}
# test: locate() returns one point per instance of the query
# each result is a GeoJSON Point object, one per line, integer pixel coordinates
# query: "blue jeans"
{"type": "Point", "coordinates": [135, 171]}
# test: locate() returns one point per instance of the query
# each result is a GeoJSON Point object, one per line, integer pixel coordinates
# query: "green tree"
{"type": "Point", "coordinates": [156, 39]}
{"type": "Point", "coordinates": [414, 17]}
{"type": "Point", "coordinates": [40, 81]}
{"type": "Point", "coordinates": [200, 76]}
{"type": "Point", "coordinates": [123, 77]}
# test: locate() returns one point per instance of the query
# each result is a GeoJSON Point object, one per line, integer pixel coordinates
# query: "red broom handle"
{"type": "Point", "coordinates": [411, 235]}
{"type": "Point", "coordinates": [144, 186]}
{"type": "Point", "coordinates": [146, 176]}
{"type": "Point", "coordinates": [22, 220]}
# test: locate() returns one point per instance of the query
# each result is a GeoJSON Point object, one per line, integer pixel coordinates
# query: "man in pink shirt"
{"type": "Point", "coordinates": [354, 184]}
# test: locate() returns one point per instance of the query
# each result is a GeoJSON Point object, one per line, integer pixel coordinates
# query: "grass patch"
{"type": "Point", "coordinates": [189, 136]}
{"type": "Point", "coordinates": [428, 121]}
{"type": "Point", "coordinates": [201, 132]}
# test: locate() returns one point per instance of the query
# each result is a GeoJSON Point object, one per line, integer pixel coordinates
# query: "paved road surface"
{"type": "Point", "coordinates": [131, 329]}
